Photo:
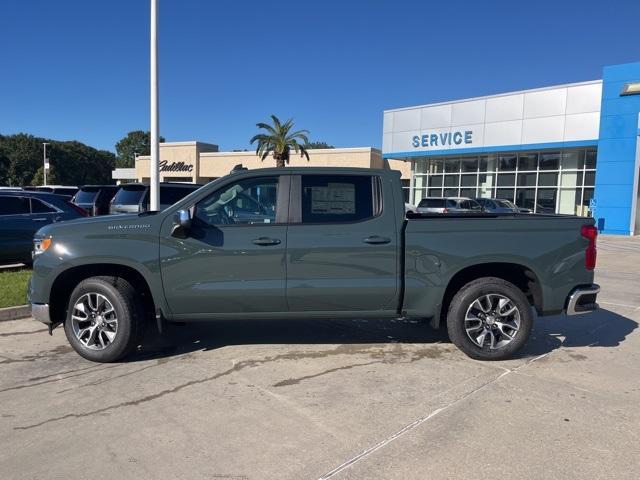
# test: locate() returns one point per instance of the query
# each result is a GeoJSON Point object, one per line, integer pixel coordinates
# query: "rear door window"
{"type": "Point", "coordinates": [337, 198]}
{"type": "Point", "coordinates": [14, 206]}
{"type": "Point", "coordinates": [452, 204]}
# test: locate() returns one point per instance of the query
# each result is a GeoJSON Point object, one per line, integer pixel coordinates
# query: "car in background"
{"type": "Point", "coordinates": [499, 205]}
{"type": "Point", "coordinates": [95, 199]}
{"type": "Point", "coordinates": [22, 214]}
{"type": "Point", "coordinates": [66, 190]}
{"type": "Point", "coordinates": [10, 189]}
{"type": "Point", "coordinates": [409, 208]}
{"type": "Point", "coordinates": [134, 197]}
{"type": "Point", "coordinates": [448, 205]}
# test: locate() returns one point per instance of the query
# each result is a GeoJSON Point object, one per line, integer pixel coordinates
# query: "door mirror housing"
{"type": "Point", "coordinates": [182, 224]}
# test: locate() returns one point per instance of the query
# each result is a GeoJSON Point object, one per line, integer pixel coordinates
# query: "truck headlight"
{"type": "Point", "coordinates": [41, 245]}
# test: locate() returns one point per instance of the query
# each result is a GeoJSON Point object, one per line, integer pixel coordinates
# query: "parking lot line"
{"type": "Point", "coordinates": [635, 307]}
{"type": "Point", "coordinates": [424, 419]}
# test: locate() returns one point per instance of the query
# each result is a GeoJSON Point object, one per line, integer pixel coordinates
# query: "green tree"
{"type": "Point", "coordinates": [317, 145]}
{"type": "Point", "coordinates": [72, 163]}
{"type": "Point", "coordinates": [135, 142]}
{"type": "Point", "coordinates": [279, 140]}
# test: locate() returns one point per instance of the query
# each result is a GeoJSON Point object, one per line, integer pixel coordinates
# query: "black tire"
{"type": "Point", "coordinates": [464, 301]}
{"type": "Point", "coordinates": [129, 313]}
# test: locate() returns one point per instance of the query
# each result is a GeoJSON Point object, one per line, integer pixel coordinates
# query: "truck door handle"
{"type": "Point", "coordinates": [376, 240]}
{"type": "Point", "coordinates": [39, 219]}
{"type": "Point", "coordinates": [266, 241]}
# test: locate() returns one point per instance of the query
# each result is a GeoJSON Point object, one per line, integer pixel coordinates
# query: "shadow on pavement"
{"type": "Point", "coordinates": [179, 339]}
{"type": "Point", "coordinates": [601, 329]}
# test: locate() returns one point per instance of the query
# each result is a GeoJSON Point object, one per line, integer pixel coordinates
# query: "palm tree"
{"type": "Point", "coordinates": [279, 140]}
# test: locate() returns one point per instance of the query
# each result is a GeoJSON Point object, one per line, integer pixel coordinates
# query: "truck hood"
{"type": "Point", "coordinates": [101, 225]}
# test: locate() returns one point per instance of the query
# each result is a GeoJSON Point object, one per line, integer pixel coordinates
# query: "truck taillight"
{"type": "Point", "coordinates": [590, 233]}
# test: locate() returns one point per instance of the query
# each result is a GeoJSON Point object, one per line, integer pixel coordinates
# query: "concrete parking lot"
{"type": "Point", "coordinates": [340, 399]}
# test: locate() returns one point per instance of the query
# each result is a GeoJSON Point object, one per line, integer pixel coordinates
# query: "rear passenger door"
{"type": "Point", "coordinates": [342, 245]}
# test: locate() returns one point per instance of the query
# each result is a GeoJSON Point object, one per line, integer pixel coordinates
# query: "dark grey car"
{"type": "Point", "coordinates": [134, 197]}
{"type": "Point", "coordinates": [22, 214]}
{"type": "Point", "coordinates": [95, 199]}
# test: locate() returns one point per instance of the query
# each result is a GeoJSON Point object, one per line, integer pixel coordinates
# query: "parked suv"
{"type": "Point", "coordinates": [22, 214]}
{"type": "Point", "coordinates": [95, 199]}
{"type": "Point", "coordinates": [448, 205]}
{"type": "Point", "coordinates": [134, 197]}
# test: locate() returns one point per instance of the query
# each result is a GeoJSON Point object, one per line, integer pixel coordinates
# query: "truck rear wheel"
{"type": "Point", "coordinates": [489, 319]}
{"type": "Point", "coordinates": [104, 321]}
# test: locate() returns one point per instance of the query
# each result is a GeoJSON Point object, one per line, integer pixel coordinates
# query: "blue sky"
{"type": "Point", "coordinates": [78, 69]}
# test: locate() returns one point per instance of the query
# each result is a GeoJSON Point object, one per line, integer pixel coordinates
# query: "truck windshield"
{"type": "Point", "coordinates": [432, 203]}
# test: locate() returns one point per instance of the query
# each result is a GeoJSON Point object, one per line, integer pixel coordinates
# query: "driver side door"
{"type": "Point", "coordinates": [233, 259]}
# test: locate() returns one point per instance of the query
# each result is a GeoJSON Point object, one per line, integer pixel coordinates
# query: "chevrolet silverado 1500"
{"type": "Point", "coordinates": [310, 243]}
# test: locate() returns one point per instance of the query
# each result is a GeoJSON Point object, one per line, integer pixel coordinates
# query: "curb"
{"type": "Point", "coordinates": [14, 313]}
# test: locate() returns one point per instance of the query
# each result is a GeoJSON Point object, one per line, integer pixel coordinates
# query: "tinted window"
{"type": "Point", "coordinates": [65, 191]}
{"type": "Point", "coordinates": [128, 195]}
{"type": "Point", "coordinates": [452, 204]}
{"type": "Point", "coordinates": [248, 202]}
{"type": "Point", "coordinates": [336, 198]}
{"type": "Point", "coordinates": [14, 205]}
{"type": "Point", "coordinates": [170, 195]}
{"type": "Point", "coordinates": [85, 196]}
{"type": "Point", "coordinates": [431, 203]}
{"type": "Point", "coordinates": [39, 207]}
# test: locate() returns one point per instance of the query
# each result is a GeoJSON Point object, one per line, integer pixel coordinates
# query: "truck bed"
{"type": "Point", "coordinates": [438, 247]}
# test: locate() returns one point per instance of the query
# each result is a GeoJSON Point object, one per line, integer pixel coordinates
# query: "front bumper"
{"type": "Point", "coordinates": [583, 299]}
{"type": "Point", "coordinates": [40, 312]}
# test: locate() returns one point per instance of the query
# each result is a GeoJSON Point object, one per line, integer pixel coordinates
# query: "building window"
{"type": "Point", "coordinates": [544, 181]}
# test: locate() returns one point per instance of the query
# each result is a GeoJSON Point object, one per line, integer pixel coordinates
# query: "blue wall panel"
{"type": "Point", "coordinates": [617, 156]}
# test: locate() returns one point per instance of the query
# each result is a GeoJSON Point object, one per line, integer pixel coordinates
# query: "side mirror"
{"type": "Point", "coordinates": [183, 218]}
{"type": "Point", "coordinates": [182, 224]}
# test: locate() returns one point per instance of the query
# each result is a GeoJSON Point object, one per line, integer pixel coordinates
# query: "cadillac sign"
{"type": "Point", "coordinates": [165, 166]}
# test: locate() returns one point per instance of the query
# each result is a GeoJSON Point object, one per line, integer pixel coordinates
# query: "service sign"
{"type": "Point", "coordinates": [443, 140]}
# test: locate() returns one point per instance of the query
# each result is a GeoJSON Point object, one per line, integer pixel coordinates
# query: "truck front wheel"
{"type": "Point", "coordinates": [104, 321]}
{"type": "Point", "coordinates": [489, 319]}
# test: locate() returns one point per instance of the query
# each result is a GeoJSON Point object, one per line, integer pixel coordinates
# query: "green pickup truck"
{"type": "Point", "coordinates": [310, 243]}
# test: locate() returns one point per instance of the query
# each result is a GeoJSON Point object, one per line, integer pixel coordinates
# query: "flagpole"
{"type": "Point", "coordinates": [155, 145]}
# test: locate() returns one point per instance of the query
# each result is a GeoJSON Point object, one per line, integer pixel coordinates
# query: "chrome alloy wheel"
{"type": "Point", "coordinates": [492, 320]}
{"type": "Point", "coordinates": [94, 321]}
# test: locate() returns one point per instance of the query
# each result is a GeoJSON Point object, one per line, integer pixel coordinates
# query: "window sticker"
{"type": "Point", "coordinates": [334, 199]}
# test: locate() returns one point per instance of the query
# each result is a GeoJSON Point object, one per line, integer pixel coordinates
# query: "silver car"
{"type": "Point", "coordinates": [448, 205]}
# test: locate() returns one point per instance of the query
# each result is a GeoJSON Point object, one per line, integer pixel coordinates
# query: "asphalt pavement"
{"type": "Point", "coordinates": [333, 399]}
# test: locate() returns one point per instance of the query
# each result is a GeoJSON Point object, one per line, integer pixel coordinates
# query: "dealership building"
{"type": "Point", "coordinates": [567, 149]}
{"type": "Point", "coordinates": [570, 149]}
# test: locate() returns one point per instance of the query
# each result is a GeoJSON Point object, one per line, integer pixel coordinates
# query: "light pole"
{"type": "Point", "coordinates": [155, 146]}
{"type": "Point", "coordinates": [45, 161]}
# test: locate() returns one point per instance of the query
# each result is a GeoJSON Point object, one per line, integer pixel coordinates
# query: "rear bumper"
{"type": "Point", "coordinates": [582, 299]}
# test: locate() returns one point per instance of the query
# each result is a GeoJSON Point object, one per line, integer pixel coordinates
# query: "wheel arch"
{"type": "Point", "coordinates": [520, 275]}
{"type": "Point", "coordinates": [67, 280]}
